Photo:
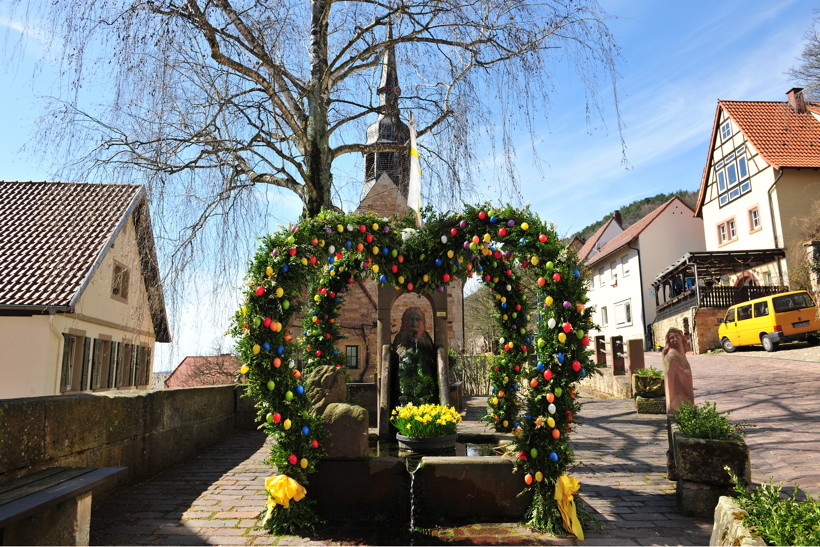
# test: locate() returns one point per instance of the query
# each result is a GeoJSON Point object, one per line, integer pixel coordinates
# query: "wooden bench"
{"type": "Point", "coordinates": [52, 506]}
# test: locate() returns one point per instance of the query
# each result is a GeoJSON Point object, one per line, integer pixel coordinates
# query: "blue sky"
{"type": "Point", "coordinates": [678, 59]}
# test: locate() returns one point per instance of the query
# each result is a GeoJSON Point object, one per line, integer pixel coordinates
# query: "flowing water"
{"type": "Point", "coordinates": [412, 463]}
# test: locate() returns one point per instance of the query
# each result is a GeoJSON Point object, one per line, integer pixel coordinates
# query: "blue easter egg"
{"type": "Point", "coordinates": [554, 456]}
{"type": "Point", "coordinates": [305, 430]}
{"type": "Point", "coordinates": [383, 278]}
{"type": "Point", "coordinates": [438, 262]}
{"type": "Point", "coordinates": [280, 350]}
{"type": "Point", "coordinates": [576, 273]}
{"type": "Point", "coordinates": [348, 244]}
{"type": "Point", "coordinates": [385, 250]}
{"type": "Point", "coordinates": [285, 268]}
{"type": "Point", "coordinates": [335, 352]}
{"type": "Point", "coordinates": [331, 259]}
{"type": "Point", "coordinates": [540, 365]}
{"type": "Point", "coordinates": [560, 357]}
{"type": "Point", "coordinates": [493, 219]}
{"type": "Point", "coordinates": [266, 346]}
{"type": "Point", "coordinates": [503, 305]}
{"type": "Point", "coordinates": [300, 390]}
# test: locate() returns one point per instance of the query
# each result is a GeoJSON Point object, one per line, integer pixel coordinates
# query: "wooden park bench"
{"type": "Point", "coordinates": [52, 506]}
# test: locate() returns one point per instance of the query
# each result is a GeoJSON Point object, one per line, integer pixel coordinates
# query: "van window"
{"type": "Point", "coordinates": [761, 309]}
{"type": "Point", "coordinates": [788, 302]}
{"type": "Point", "coordinates": [744, 312]}
{"type": "Point", "coordinates": [730, 316]}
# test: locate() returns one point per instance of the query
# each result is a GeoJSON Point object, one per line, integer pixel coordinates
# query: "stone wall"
{"type": "Point", "coordinates": [699, 323]}
{"type": "Point", "coordinates": [146, 431]}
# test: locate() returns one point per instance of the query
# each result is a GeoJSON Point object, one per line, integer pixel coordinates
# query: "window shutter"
{"type": "Point", "coordinates": [84, 378]}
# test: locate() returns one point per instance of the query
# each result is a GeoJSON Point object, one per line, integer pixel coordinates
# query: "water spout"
{"type": "Point", "coordinates": [412, 462]}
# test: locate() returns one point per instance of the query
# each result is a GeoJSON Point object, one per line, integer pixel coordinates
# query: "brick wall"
{"type": "Point", "coordinates": [700, 323]}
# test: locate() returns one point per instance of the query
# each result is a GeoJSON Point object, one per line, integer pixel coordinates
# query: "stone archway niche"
{"type": "Point", "coordinates": [387, 296]}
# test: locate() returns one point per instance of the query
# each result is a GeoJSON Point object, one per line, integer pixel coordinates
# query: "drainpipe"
{"type": "Point", "coordinates": [643, 300]}
{"type": "Point", "coordinates": [774, 225]}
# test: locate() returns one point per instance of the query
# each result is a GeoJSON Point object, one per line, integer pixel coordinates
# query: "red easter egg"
{"type": "Point", "coordinates": [314, 443]}
{"type": "Point", "coordinates": [542, 238]}
{"type": "Point", "coordinates": [585, 340]}
{"type": "Point", "coordinates": [292, 252]}
{"type": "Point", "coordinates": [318, 353]}
{"type": "Point", "coordinates": [482, 215]}
{"type": "Point", "coordinates": [446, 277]}
{"type": "Point", "coordinates": [534, 382]}
{"type": "Point", "coordinates": [576, 366]}
{"type": "Point", "coordinates": [502, 231]}
{"type": "Point", "coordinates": [266, 322]}
{"type": "Point", "coordinates": [548, 375]}
{"type": "Point", "coordinates": [362, 228]}
{"type": "Point", "coordinates": [260, 291]}
{"type": "Point", "coordinates": [293, 459]}
{"type": "Point", "coordinates": [528, 479]}
{"type": "Point", "coordinates": [453, 231]}
{"type": "Point", "coordinates": [369, 238]}
{"type": "Point", "coordinates": [556, 277]}
{"type": "Point", "coordinates": [541, 281]}
{"type": "Point", "coordinates": [277, 417]}
{"type": "Point", "coordinates": [567, 327]}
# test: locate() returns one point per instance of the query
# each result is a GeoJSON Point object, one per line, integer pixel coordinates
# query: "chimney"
{"type": "Point", "coordinates": [796, 101]}
{"type": "Point", "coordinates": [617, 216]}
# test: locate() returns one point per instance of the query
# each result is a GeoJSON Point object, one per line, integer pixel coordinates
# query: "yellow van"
{"type": "Point", "coordinates": [769, 320]}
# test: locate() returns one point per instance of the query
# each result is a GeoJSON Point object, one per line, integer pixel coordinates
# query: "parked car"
{"type": "Point", "coordinates": [769, 321]}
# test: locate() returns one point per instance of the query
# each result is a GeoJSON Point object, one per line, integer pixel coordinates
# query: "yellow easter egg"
{"type": "Point", "coordinates": [487, 238]}
{"type": "Point", "coordinates": [279, 292]}
{"type": "Point", "coordinates": [548, 301]}
{"type": "Point", "coordinates": [534, 261]}
{"type": "Point", "coordinates": [562, 337]}
{"type": "Point", "coordinates": [401, 280]}
{"type": "Point", "coordinates": [256, 349]}
{"type": "Point", "coordinates": [495, 400]}
{"type": "Point", "coordinates": [244, 310]}
{"type": "Point", "coordinates": [269, 271]}
{"type": "Point", "coordinates": [340, 228]}
{"type": "Point", "coordinates": [375, 268]}
{"type": "Point", "coordinates": [550, 422]}
{"type": "Point", "coordinates": [539, 476]}
{"type": "Point", "coordinates": [303, 463]}
{"type": "Point", "coordinates": [244, 369]}
{"type": "Point", "coordinates": [286, 424]}
{"type": "Point", "coordinates": [375, 250]}
{"type": "Point", "coordinates": [525, 226]}
{"type": "Point", "coordinates": [425, 278]}
{"type": "Point", "coordinates": [304, 261]}
{"type": "Point", "coordinates": [450, 254]}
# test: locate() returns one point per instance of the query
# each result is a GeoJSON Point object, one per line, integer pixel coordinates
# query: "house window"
{"type": "Point", "coordinates": [592, 282]}
{"type": "Point", "coordinates": [119, 284]}
{"type": "Point", "coordinates": [352, 353]}
{"type": "Point", "coordinates": [74, 372]}
{"type": "Point", "coordinates": [604, 317]}
{"type": "Point", "coordinates": [727, 231]}
{"type": "Point", "coordinates": [754, 219]}
{"type": "Point", "coordinates": [625, 266]}
{"type": "Point", "coordinates": [725, 131]}
{"type": "Point", "coordinates": [601, 276]}
{"type": "Point", "coordinates": [623, 313]}
{"type": "Point", "coordinates": [613, 275]}
{"type": "Point", "coordinates": [732, 174]}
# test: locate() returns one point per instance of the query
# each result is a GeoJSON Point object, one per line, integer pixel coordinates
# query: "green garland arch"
{"type": "Point", "coordinates": [533, 397]}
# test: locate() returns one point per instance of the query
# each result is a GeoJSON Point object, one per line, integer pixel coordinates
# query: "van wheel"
{"type": "Point", "coordinates": [727, 346]}
{"type": "Point", "coordinates": [768, 345]}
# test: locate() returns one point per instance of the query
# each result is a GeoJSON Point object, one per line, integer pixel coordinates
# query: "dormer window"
{"type": "Point", "coordinates": [119, 284]}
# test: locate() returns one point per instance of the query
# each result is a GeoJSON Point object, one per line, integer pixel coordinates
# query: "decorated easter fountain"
{"type": "Point", "coordinates": [532, 399]}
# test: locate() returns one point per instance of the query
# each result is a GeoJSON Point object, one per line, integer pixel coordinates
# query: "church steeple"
{"type": "Point", "coordinates": [388, 128]}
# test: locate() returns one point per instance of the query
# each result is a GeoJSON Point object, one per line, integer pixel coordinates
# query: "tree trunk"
{"type": "Point", "coordinates": [318, 149]}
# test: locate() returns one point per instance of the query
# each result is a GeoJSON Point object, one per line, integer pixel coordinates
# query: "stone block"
{"type": "Point", "coordinates": [22, 443]}
{"type": "Point", "coordinates": [325, 385]}
{"type": "Point", "coordinates": [650, 405]}
{"type": "Point", "coordinates": [347, 428]}
{"type": "Point", "coordinates": [728, 528]}
{"type": "Point", "coordinates": [696, 499]}
{"type": "Point", "coordinates": [703, 460]}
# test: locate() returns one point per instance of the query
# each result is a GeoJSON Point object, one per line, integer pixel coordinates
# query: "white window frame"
{"type": "Point", "coordinates": [732, 176]}
{"type": "Point", "coordinates": [727, 231]}
{"type": "Point", "coordinates": [623, 313]}
{"type": "Point", "coordinates": [592, 282]}
{"type": "Point", "coordinates": [625, 265]}
{"type": "Point", "coordinates": [725, 131]}
{"type": "Point", "coordinates": [604, 317]}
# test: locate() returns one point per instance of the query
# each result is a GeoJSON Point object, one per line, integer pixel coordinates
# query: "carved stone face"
{"type": "Point", "coordinates": [675, 340]}
{"type": "Point", "coordinates": [412, 322]}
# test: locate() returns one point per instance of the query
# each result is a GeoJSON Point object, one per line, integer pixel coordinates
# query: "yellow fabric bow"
{"type": "Point", "coordinates": [565, 487]}
{"type": "Point", "coordinates": [281, 489]}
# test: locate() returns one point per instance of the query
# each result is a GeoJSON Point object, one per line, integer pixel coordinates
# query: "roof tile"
{"type": "Point", "coordinates": [52, 233]}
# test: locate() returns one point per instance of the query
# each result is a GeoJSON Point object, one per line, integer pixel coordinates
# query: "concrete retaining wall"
{"type": "Point", "coordinates": [146, 431]}
{"type": "Point", "coordinates": [617, 386]}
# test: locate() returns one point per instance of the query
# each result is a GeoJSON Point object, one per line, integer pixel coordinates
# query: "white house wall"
{"type": "Point", "coordinates": [673, 233]}
{"type": "Point", "coordinates": [29, 346]}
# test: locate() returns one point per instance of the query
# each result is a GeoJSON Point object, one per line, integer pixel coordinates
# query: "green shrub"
{"type": "Point", "coordinates": [705, 422]}
{"type": "Point", "coordinates": [777, 519]}
{"type": "Point", "coordinates": [650, 372]}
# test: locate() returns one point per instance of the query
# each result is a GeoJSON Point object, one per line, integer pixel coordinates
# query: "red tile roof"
{"type": "Point", "coordinates": [53, 236]}
{"type": "Point", "coordinates": [784, 138]}
{"type": "Point", "coordinates": [632, 233]}
{"type": "Point", "coordinates": [593, 240]}
{"type": "Point", "coordinates": [205, 370]}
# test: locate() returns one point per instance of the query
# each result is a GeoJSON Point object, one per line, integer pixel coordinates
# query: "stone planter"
{"type": "Point", "coordinates": [702, 479]}
{"type": "Point", "coordinates": [428, 445]}
{"type": "Point", "coordinates": [649, 395]}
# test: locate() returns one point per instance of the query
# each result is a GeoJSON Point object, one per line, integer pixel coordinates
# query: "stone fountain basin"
{"type": "Point", "coordinates": [446, 489]}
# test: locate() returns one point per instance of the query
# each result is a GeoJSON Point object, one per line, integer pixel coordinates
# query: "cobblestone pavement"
{"type": "Point", "coordinates": [215, 498]}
